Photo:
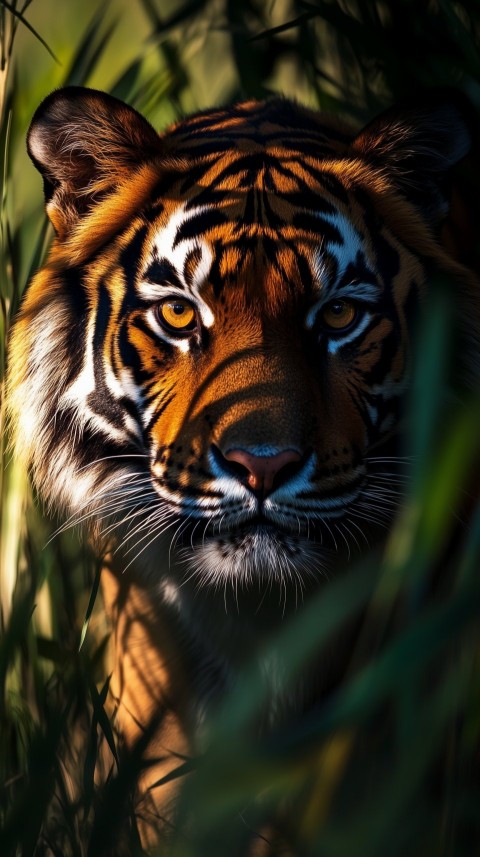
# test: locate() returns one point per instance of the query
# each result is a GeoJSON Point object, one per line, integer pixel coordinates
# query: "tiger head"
{"type": "Point", "coordinates": [210, 366]}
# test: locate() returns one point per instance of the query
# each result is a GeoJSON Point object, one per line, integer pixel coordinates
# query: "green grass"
{"type": "Point", "coordinates": [390, 763]}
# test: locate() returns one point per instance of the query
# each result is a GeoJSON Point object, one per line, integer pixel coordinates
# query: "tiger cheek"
{"type": "Point", "coordinates": [346, 424]}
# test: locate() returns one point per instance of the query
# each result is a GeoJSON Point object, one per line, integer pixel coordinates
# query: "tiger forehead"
{"type": "Point", "coordinates": [251, 195]}
{"type": "Point", "coordinates": [191, 245]}
{"type": "Point", "coordinates": [274, 125]}
{"type": "Point", "coordinates": [248, 181]}
{"type": "Point", "coordinates": [261, 271]}
{"type": "Point", "coordinates": [251, 206]}
{"type": "Point", "coordinates": [253, 161]}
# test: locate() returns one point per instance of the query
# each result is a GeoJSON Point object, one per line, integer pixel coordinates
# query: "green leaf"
{"type": "Point", "coordinates": [91, 605]}
{"type": "Point", "coordinates": [17, 14]}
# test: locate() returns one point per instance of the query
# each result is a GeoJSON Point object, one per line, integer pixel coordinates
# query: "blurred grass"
{"type": "Point", "coordinates": [389, 762]}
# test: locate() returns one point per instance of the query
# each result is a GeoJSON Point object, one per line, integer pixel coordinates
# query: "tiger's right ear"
{"type": "Point", "coordinates": [84, 142]}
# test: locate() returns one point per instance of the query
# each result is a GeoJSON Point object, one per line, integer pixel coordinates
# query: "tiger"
{"type": "Point", "coordinates": [209, 371]}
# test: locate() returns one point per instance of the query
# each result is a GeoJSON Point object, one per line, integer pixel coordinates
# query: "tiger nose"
{"type": "Point", "coordinates": [261, 471]}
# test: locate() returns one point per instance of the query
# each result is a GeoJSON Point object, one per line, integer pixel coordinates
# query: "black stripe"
{"type": "Point", "coordinates": [199, 224]}
{"type": "Point", "coordinates": [142, 325]}
{"type": "Point", "coordinates": [158, 413]}
{"type": "Point", "coordinates": [161, 271]}
{"type": "Point", "coordinates": [305, 272]}
{"type": "Point", "coordinates": [76, 296]}
{"type": "Point", "coordinates": [129, 258]}
{"type": "Point", "coordinates": [101, 400]}
{"type": "Point", "coordinates": [307, 199]}
{"type": "Point", "coordinates": [149, 399]}
{"type": "Point", "coordinates": [205, 195]}
{"type": "Point", "coordinates": [357, 272]}
{"type": "Point", "coordinates": [89, 444]}
{"type": "Point", "coordinates": [189, 491]}
{"type": "Point", "coordinates": [335, 187]}
{"type": "Point", "coordinates": [387, 351]}
{"type": "Point", "coordinates": [311, 222]}
{"type": "Point", "coordinates": [339, 491]}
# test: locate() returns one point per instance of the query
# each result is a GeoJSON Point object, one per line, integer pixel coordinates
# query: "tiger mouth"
{"type": "Point", "coordinates": [241, 535]}
{"type": "Point", "coordinates": [256, 549]}
{"type": "Point", "coordinates": [254, 527]}
{"type": "Point", "coordinates": [257, 524]}
{"type": "Point", "coordinates": [250, 530]}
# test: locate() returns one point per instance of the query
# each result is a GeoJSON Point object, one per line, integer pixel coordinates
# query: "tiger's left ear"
{"type": "Point", "coordinates": [84, 142]}
{"type": "Point", "coordinates": [418, 142]}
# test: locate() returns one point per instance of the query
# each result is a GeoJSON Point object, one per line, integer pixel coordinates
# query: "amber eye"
{"type": "Point", "coordinates": [338, 315]}
{"type": "Point", "coordinates": [176, 314]}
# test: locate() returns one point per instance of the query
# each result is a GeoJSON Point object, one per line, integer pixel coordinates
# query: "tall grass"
{"type": "Point", "coordinates": [389, 762]}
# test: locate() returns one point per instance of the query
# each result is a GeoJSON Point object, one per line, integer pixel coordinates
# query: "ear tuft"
{"type": "Point", "coordinates": [83, 141]}
{"type": "Point", "coordinates": [419, 142]}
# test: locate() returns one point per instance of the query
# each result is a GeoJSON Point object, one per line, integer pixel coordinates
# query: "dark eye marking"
{"type": "Point", "coordinates": [162, 271]}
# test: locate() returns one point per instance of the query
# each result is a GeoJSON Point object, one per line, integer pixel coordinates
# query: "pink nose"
{"type": "Point", "coordinates": [262, 469]}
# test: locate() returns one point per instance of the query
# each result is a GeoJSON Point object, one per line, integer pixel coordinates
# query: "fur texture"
{"type": "Point", "coordinates": [274, 224]}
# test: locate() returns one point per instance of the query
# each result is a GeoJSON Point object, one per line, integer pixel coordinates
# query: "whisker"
{"type": "Point", "coordinates": [140, 506]}
{"type": "Point", "coordinates": [353, 524]}
{"type": "Point", "coordinates": [391, 459]}
{"type": "Point", "coordinates": [158, 509]}
{"type": "Point", "coordinates": [109, 493]}
{"type": "Point", "coordinates": [157, 534]}
{"type": "Point", "coordinates": [193, 533]}
{"type": "Point", "coordinates": [98, 512]}
{"type": "Point", "coordinates": [113, 458]}
{"type": "Point", "coordinates": [157, 529]}
{"type": "Point", "coordinates": [110, 505]}
{"type": "Point", "coordinates": [325, 523]}
{"type": "Point", "coordinates": [340, 530]}
{"type": "Point", "coordinates": [182, 526]}
{"type": "Point", "coordinates": [366, 516]}
{"type": "Point", "coordinates": [385, 499]}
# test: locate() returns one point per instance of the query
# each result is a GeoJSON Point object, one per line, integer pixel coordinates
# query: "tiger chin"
{"type": "Point", "coordinates": [208, 371]}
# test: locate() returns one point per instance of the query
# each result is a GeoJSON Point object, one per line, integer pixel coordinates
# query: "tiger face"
{"type": "Point", "coordinates": [210, 367]}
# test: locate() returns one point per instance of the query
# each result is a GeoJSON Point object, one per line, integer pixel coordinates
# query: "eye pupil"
{"type": "Point", "coordinates": [176, 315]}
{"type": "Point", "coordinates": [338, 315]}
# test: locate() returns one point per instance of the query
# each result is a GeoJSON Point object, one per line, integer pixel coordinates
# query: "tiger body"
{"type": "Point", "coordinates": [227, 464]}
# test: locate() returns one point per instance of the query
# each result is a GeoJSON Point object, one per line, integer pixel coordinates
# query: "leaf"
{"type": "Point", "coordinates": [404, 658]}
{"type": "Point", "coordinates": [90, 49]}
{"type": "Point", "coordinates": [182, 770]}
{"type": "Point", "coordinates": [91, 604]}
{"type": "Point", "coordinates": [15, 12]}
{"type": "Point", "coordinates": [98, 701]}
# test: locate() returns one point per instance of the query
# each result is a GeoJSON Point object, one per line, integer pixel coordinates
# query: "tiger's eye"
{"type": "Point", "coordinates": [338, 315]}
{"type": "Point", "coordinates": [177, 314]}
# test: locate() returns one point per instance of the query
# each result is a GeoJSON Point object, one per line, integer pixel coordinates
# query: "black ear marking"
{"type": "Point", "coordinates": [82, 142]}
{"type": "Point", "coordinates": [419, 141]}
